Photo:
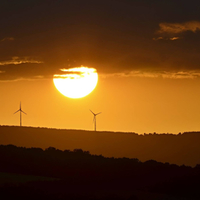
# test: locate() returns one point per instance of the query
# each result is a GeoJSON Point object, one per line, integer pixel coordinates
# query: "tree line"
{"type": "Point", "coordinates": [79, 169]}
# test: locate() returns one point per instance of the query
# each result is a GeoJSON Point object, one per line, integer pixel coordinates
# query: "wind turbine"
{"type": "Point", "coordinates": [94, 120]}
{"type": "Point", "coordinates": [21, 111]}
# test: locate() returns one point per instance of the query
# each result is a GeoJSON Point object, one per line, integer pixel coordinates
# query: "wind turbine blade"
{"type": "Point", "coordinates": [92, 112]}
{"type": "Point", "coordinates": [23, 112]}
{"type": "Point", "coordinates": [16, 111]}
{"type": "Point", "coordinates": [98, 113]}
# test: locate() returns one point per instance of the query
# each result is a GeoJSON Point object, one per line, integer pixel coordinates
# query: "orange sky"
{"type": "Point", "coordinates": [131, 104]}
{"type": "Point", "coordinates": [147, 59]}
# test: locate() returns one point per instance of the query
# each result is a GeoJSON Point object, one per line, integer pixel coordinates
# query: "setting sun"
{"type": "Point", "coordinates": [76, 82]}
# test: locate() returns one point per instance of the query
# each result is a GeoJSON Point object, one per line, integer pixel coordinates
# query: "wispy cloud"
{"type": "Point", "coordinates": [174, 38]}
{"type": "Point", "coordinates": [22, 79]}
{"type": "Point", "coordinates": [17, 61]}
{"type": "Point", "coordinates": [176, 28]}
{"type": "Point", "coordinates": [39, 77]}
{"type": "Point", "coordinates": [162, 74]}
{"type": "Point", "coordinates": [7, 39]}
{"type": "Point", "coordinates": [75, 72]}
{"type": "Point", "coordinates": [167, 38]}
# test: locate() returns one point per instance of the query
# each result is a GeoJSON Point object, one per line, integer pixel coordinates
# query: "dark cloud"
{"type": "Point", "coordinates": [176, 28]}
{"type": "Point", "coordinates": [7, 39]}
{"type": "Point", "coordinates": [113, 36]}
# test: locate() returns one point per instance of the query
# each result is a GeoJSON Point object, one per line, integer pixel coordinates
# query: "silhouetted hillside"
{"type": "Point", "coordinates": [81, 175]}
{"type": "Point", "coordinates": [176, 149]}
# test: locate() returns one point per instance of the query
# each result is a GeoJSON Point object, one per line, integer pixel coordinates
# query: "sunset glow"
{"type": "Point", "coordinates": [135, 135]}
{"type": "Point", "coordinates": [145, 61]}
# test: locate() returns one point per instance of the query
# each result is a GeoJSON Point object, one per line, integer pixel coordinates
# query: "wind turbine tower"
{"type": "Point", "coordinates": [21, 111]}
{"type": "Point", "coordinates": [94, 120]}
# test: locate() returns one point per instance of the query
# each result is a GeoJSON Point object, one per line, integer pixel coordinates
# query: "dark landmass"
{"type": "Point", "coordinates": [181, 149]}
{"type": "Point", "coordinates": [16, 179]}
{"type": "Point", "coordinates": [79, 175]}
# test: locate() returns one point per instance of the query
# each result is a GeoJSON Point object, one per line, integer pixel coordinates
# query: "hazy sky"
{"type": "Point", "coordinates": [147, 54]}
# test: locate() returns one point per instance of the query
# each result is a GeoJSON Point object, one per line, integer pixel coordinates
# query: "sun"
{"type": "Point", "coordinates": [76, 82]}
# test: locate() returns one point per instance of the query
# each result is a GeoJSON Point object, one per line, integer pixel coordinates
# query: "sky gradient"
{"type": "Point", "coordinates": [147, 55]}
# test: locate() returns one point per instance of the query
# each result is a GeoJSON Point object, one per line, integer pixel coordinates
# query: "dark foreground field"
{"type": "Point", "coordinates": [181, 149]}
{"type": "Point", "coordinates": [34, 173]}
